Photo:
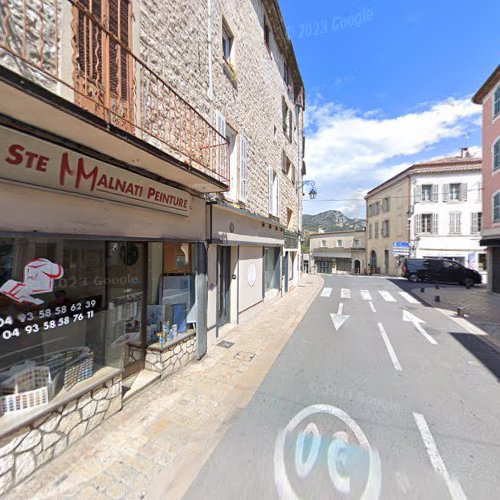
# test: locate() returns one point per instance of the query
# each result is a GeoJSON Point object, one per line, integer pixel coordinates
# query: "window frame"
{"type": "Point", "coordinates": [230, 38]}
{"type": "Point", "coordinates": [495, 101]}
{"type": "Point", "coordinates": [493, 196]}
{"type": "Point", "coordinates": [495, 155]}
{"type": "Point", "coordinates": [424, 199]}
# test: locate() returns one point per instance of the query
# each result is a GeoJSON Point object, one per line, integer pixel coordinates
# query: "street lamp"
{"type": "Point", "coordinates": [312, 192]}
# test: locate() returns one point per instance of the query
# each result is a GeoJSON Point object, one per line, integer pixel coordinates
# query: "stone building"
{"type": "Point", "coordinates": [127, 143]}
{"type": "Point", "coordinates": [338, 252]}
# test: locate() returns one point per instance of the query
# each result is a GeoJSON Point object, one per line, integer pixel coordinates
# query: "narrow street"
{"type": "Point", "coordinates": [374, 396]}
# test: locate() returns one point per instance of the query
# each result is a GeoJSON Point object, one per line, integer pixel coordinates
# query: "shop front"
{"type": "Point", "coordinates": [244, 266]}
{"type": "Point", "coordinates": [99, 279]}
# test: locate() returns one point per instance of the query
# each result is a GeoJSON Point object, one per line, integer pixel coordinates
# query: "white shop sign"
{"type": "Point", "coordinates": [32, 161]}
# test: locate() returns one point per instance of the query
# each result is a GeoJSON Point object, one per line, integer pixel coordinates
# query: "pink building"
{"type": "Point", "coordinates": [489, 97]}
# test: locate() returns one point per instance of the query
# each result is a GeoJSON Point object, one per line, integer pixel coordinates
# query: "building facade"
{"type": "Point", "coordinates": [338, 252]}
{"type": "Point", "coordinates": [135, 192]}
{"type": "Point", "coordinates": [387, 212]}
{"type": "Point", "coordinates": [431, 209]}
{"type": "Point", "coordinates": [489, 97]}
{"type": "Point", "coordinates": [447, 211]}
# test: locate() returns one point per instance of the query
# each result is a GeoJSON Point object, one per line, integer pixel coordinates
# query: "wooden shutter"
{"type": "Point", "coordinates": [474, 223]}
{"type": "Point", "coordinates": [243, 167]}
{"type": "Point", "coordinates": [458, 222]}
{"type": "Point", "coordinates": [418, 224]}
{"type": "Point", "coordinates": [418, 194]}
{"type": "Point", "coordinates": [496, 155]}
{"type": "Point", "coordinates": [435, 193]}
{"type": "Point", "coordinates": [446, 191]}
{"type": "Point", "coordinates": [463, 191]}
{"type": "Point", "coordinates": [435, 224]}
{"type": "Point", "coordinates": [271, 175]}
{"type": "Point", "coordinates": [278, 201]}
{"type": "Point", "coordinates": [118, 58]}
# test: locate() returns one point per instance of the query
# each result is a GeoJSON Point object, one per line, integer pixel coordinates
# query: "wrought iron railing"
{"type": "Point", "coordinates": [81, 50]}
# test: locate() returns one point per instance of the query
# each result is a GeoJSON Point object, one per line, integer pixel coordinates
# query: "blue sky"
{"type": "Point", "coordinates": [388, 84]}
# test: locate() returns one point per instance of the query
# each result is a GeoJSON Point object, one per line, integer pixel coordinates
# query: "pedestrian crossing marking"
{"type": "Point", "coordinates": [366, 295]}
{"type": "Point", "coordinates": [387, 296]}
{"type": "Point", "coordinates": [326, 292]}
{"type": "Point", "coordinates": [409, 298]}
{"type": "Point", "coordinates": [345, 293]}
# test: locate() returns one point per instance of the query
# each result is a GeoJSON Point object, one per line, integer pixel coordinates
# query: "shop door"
{"type": "Point", "coordinates": [285, 270]}
{"type": "Point", "coordinates": [223, 284]}
{"type": "Point", "coordinates": [495, 269]}
{"type": "Point", "coordinates": [125, 281]}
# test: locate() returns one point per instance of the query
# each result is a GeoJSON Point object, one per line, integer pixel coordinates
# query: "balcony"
{"type": "Point", "coordinates": [67, 67]}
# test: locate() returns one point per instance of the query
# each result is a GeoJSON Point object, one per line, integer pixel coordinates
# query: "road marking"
{"type": "Point", "coordinates": [345, 293]}
{"type": "Point", "coordinates": [326, 292]}
{"type": "Point", "coordinates": [390, 349]}
{"type": "Point", "coordinates": [417, 323]}
{"type": "Point", "coordinates": [366, 295]}
{"type": "Point", "coordinates": [372, 307]}
{"type": "Point", "coordinates": [454, 487]}
{"type": "Point", "coordinates": [387, 296]}
{"type": "Point", "coordinates": [339, 319]}
{"type": "Point", "coordinates": [409, 298]}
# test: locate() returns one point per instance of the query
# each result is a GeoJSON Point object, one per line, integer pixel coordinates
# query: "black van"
{"type": "Point", "coordinates": [440, 270]}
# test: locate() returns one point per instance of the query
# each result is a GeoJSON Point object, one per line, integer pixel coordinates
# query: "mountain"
{"type": "Point", "coordinates": [331, 221]}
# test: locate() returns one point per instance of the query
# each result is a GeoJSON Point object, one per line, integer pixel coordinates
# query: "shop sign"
{"type": "Point", "coordinates": [33, 161]}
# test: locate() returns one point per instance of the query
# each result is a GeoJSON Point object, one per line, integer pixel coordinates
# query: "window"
{"type": "Point", "coordinates": [454, 192]}
{"type": "Point", "coordinates": [455, 223]}
{"type": "Point", "coordinates": [451, 265]}
{"type": "Point", "coordinates": [357, 243]}
{"type": "Point", "coordinates": [386, 231]}
{"type": "Point", "coordinates": [427, 192]}
{"type": "Point", "coordinates": [376, 229]}
{"type": "Point", "coordinates": [286, 74]}
{"type": "Point", "coordinates": [476, 222]}
{"type": "Point", "coordinates": [340, 243]}
{"type": "Point", "coordinates": [290, 125]}
{"type": "Point", "coordinates": [496, 155]}
{"type": "Point", "coordinates": [386, 204]}
{"type": "Point", "coordinates": [284, 114]}
{"type": "Point", "coordinates": [323, 243]}
{"type": "Point", "coordinates": [426, 224]}
{"type": "Point", "coordinates": [274, 193]}
{"type": "Point", "coordinates": [271, 268]}
{"type": "Point", "coordinates": [93, 78]}
{"type": "Point", "coordinates": [267, 35]}
{"type": "Point", "coordinates": [496, 102]}
{"type": "Point", "coordinates": [496, 207]}
{"type": "Point", "coordinates": [227, 43]}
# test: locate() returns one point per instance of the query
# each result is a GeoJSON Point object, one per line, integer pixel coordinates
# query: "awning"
{"type": "Point", "coordinates": [490, 242]}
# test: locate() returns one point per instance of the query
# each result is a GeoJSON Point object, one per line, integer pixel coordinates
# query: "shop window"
{"type": "Point", "coordinates": [271, 268]}
{"type": "Point", "coordinates": [67, 309]}
{"type": "Point", "coordinates": [171, 308]}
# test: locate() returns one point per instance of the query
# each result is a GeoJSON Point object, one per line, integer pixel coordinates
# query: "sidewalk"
{"type": "Point", "coordinates": [482, 308]}
{"type": "Point", "coordinates": [157, 444]}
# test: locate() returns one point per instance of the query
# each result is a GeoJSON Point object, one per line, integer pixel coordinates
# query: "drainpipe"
{"type": "Point", "coordinates": [210, 91]}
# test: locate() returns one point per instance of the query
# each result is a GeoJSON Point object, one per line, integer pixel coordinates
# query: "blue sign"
{"type": "Point", "coordinates": [400, 244]}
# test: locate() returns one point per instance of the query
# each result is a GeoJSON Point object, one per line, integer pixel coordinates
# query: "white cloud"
{"type": "Point", "coordinates": [349, 152]}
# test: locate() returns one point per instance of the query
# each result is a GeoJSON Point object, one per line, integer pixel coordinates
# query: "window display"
{"type": "Point", "coordinates": [67, 308]}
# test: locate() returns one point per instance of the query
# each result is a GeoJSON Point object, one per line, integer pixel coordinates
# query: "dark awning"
{"type": "Point", "coordinates": [490, 242]}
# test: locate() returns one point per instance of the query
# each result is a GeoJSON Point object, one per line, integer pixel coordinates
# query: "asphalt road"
{"type": "Point", "coordinates": [378, 408]}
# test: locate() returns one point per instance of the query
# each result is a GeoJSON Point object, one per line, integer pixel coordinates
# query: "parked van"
{"type": "Point", "coordinates": [441, 271]}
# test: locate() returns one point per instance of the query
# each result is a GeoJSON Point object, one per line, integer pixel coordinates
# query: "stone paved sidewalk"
{"type": "Point", "coordinates": [157, 444]}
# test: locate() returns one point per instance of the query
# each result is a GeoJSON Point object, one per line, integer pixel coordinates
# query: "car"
{"type": "Point", "coordinates": [441, 271]}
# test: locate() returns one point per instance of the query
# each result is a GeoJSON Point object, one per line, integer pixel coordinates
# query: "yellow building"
{"type": "Point", "coordinates": [387, 212]}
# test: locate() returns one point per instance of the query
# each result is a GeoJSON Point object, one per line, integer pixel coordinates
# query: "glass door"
{"type": "Point", "coordinates": [125, 282]}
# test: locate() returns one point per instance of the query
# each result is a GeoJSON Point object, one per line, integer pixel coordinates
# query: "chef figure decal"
{"type": "Point", "coordinates": [39, 276]}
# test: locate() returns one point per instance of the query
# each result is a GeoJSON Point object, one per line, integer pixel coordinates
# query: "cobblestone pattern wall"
{"type": "Point", "coordinates": [173, 358]}
{"type": "Point", "coordinates": [29, 448]}
{"type": "Point", "coordinates": [253, 106]}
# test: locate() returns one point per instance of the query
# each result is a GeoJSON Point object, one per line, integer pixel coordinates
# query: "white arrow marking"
{"type": "Point", "coordinates": [326, 292]}
{"type": "Point", "coordinates": [366, 295]}
{"type": "Point", "coordinates": [390, 349]}
{"type": "Point", "coordinates": [387, 296]}
{"type": "Point", "coordinates": [345, 293]}
{"type": "Point", "coordinates": [454, 487]}
{"type": "Point", "coordinates": [339, 319]}
{"type": "Point", "coordinates": [409, 298]}
{"type": "Point", "coordinates": [417, 322]}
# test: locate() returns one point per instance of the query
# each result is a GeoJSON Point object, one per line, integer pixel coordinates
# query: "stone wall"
{"type": "Point", "coordinates": [29, 448]}
{"type": "Point", "coordinates": [173, 358]}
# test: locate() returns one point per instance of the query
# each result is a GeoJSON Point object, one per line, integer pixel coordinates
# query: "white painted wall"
{"type": "Point", "coordinates": [444, 244]}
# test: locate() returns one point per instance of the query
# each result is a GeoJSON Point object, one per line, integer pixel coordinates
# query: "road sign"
{"type": "Point", "coordinates": [400, 248]}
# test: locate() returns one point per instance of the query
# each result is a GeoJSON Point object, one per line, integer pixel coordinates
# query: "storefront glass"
{"type": "Point", "coordinates": [67, 308]}
{"type": "Point", "coordinates": [171, 306]}
{"type": "Point", "coordinates": [271, 268]}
